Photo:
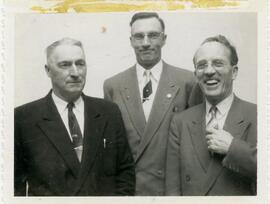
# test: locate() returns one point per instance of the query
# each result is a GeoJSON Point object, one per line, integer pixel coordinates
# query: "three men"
{"type": "Point", "coordinates": [212, 146]}
{"type": "Point", "coordinates": [69, 144]}
{"type": "Point", "coordinates": [148, 94]}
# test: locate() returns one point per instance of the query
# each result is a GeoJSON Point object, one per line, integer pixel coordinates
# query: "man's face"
{"type": "Point", "coordinates": [147, 39]}
{"type": "Point", "coordinates": [67, 70]}
{"type": "Point", "coordinates": [214, 71]}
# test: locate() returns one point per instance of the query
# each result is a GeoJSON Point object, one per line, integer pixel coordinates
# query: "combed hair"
{"type": "Point", "coordinates": [63, 41]}
{"type": "Point", "coordinates": [224, 41]}
{"type": "Point", "coordinates": [144, 15]}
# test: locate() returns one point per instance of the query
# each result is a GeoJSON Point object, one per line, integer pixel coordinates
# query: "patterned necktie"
{"type": "Point", "coordinates": [147, 89]}
{"type": "Point", "coordinates": [213, 123]}
{"type": "Point", "coordinates": [75, 131]}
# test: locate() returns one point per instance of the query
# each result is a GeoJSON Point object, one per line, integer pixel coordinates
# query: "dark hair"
{"type": "Point", "coordinates": [224, 41]}
{"type": "Point", "coordinates": [143, 15]}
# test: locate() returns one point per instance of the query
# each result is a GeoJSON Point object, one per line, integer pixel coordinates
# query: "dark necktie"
{"type": "Point", "coordinates": [147, 89]}
{"type": "Point", "coordinates": [75, 131]}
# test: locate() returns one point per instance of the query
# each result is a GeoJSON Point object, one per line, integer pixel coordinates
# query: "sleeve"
{"type": "Point", "coordinates": [125, 177]}
{"type": "Point", "coordinates": [107, 91]}
{"type": "Point", "coordinates": [242, 155]}
{"type": "Point", "coordinates": [19, 164]}
{"type": "Point", "coordinates": [173, 179]}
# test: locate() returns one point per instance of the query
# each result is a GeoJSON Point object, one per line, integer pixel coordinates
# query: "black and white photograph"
{"type": "Point", "coordinates": [152, 105]}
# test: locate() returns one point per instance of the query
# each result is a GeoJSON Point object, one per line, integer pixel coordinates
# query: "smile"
{"type": "Point", "coordinates": [211, 82]}
{"type": "Point", "coordinates": [146, 51]}
{"type": "Point", "coordinates": [74, 82]}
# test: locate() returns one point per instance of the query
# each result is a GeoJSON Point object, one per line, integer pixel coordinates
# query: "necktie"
{"type": "Point", "coordinates": [147, 89]}
{"type": "Point", "coordinates": [75, 131]}
{"type": "Point", "coordinates": [213, 123]}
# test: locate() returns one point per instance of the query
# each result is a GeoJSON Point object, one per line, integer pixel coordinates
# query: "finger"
{"type": "Point", "coordinates": [214, 130]}
{"type": "Point", "coordinates": [208, 137]}
{"type": "Point", "coordinates": [209, 130]}
{"type": "Point", "coordinates": [211, 147]}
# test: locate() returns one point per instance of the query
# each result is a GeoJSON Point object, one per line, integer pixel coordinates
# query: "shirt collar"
{"type": "Point", "coordinates": [155, 70]}
{"type": "Point", "coordinates": [61, 105]}
{"type": "Point", "coordinates": [223, 107]}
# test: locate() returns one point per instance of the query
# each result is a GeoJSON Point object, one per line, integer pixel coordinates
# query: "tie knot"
{"type": "Point", "coordinates": [70, 105]}
{"type": "Point", "coordinates": [147, 73]}
{"type": "Point", "coordinates": [213, 110]}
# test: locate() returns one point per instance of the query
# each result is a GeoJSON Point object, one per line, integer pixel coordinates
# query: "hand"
{"type": "Point", "coordinates": [218, 141]}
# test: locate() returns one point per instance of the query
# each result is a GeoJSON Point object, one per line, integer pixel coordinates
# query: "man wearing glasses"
{"type": "Point", "coordinates": [212, 148]}
{"type": "Point", "coordinates": [148, 94]}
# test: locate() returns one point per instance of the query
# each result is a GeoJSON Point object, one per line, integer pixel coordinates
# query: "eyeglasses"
{"type": "Point", "coordinates": [151, 36]}
{"type": "Point", "coordinates": [216, 64]}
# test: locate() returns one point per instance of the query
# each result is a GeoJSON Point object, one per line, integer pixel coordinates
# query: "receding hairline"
{"type": "Point", "coordinates": [64, 41]}
{"type": "Point", "coordinates": [222, 40]}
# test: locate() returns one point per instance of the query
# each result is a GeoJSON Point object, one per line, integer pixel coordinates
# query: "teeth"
{"type": "Point", "coordinates": [211, 82]}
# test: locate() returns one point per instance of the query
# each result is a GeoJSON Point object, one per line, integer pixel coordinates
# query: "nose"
{"type": "Point", "coordinates": [74, 70]}
{"type": "Point", "coordinates": [209, 70]}
{"type": "Point", "coordinates": [146, 41]}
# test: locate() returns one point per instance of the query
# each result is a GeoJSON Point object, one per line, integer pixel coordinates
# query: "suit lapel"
{"type": "Point", "coordinates": [131, 96]}
{"type": "Point", "coordinates": [93, 130]}
{"type": "Point", "coordinates": [236, 125]}
{"type": "Point", "coordinates": [197, 132]}
{"type": "Point", "coordinates": [55, 130]}
{"type": "Point", "coordinates": [165, 94]}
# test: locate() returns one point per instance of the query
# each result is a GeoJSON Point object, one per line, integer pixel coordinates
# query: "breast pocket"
{"type": "Point", "coordinates": [109, 157]}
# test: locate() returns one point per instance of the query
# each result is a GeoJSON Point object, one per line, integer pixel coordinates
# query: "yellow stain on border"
{"type": "Point", "coordinates": [64, 6]}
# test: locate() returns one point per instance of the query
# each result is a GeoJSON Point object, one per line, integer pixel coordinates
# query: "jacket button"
{"type": "Point", "coordinates": [159, 172]}
{"type": "Point", "coordinates": [175, 109]}
{"type": "Point", "coordinates": [187, 178]}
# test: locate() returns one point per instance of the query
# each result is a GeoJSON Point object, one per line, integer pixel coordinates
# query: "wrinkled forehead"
{"type": "Point", "coordinates": [66, 52]}
{"type": "Point", "coordinates": [146, 25]}
{"type": "Point", "coordinates": [211, 51]}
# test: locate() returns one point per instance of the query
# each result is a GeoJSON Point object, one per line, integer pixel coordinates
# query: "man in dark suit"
{"type": "Point", "coordinates": [212, 146]}
{"type": "Point", "coordinates": [148, 94]}
{"type": "Point", "coordinates": [69, 144]}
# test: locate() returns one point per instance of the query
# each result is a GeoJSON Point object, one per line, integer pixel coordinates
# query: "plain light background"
{"type": "Point", "coordinates": [105, 37]}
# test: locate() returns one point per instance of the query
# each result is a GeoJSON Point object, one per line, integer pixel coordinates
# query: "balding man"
{"type": "Point", "coordinates": [212, 147]}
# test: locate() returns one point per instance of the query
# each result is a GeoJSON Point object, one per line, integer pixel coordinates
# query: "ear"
{"type": "Point", "coordinates": [164, 40]}
{"type": "Point", "coordinates": [234, 72]}
{"type": "Point", "coordinates": [47, 69]}
{"type": "Point", "coordinates": [131, 42]}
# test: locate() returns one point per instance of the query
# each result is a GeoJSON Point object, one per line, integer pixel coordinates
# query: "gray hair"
{"type": "Point", "coordinates": [63, 41]}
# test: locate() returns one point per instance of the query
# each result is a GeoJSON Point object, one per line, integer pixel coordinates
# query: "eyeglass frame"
{"type": "Point", "coordinates": [216, 65]}
{"type": "Point", "coordinates": [153, 38]}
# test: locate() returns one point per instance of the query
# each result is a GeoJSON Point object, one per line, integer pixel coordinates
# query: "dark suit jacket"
{"type": "Point", "coordinates": [45, 159]}
{"type": "Point", "coordinates": [191, 170]}
{"type": "Point", "coordinates": [148, 141]}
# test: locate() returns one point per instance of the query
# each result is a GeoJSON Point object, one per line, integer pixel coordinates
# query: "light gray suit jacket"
{"type": "Point", "coordinates": [148, 141]}
{"type": "Point", "coordinates": [191, 170]}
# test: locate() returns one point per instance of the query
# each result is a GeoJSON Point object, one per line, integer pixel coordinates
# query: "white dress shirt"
{"type": "Point", "coordinates": [223, 108]}
{"type": "Point", "coordinates": [154, 76]}
{"type": "Point", "coordinates": [78, 110]}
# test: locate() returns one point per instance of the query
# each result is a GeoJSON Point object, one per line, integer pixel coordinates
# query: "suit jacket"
{"type": "Point", "coordinates": [148, 141]}
{"type": "Point", "coordinates": [191, 170]}
{"type": "Point", "coordinates": [46, 160]}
